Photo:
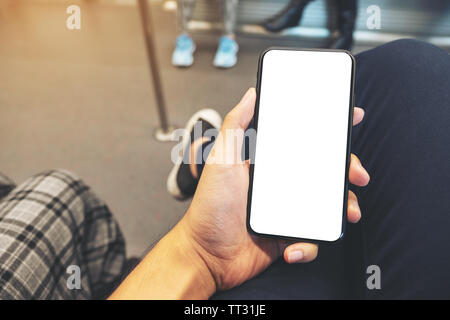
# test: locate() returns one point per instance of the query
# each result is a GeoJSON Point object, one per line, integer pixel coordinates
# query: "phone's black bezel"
{"type": "Point", "coordinates": [349, 134]}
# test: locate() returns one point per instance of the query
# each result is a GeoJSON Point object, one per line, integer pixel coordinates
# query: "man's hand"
{"type": "Point", "coordinates": [210, 248]}
{"type": "Point", "coordinates": [215, 224]}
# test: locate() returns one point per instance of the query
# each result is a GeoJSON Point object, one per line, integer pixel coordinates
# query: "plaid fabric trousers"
{"type": "Point", "coordinates": [53, 228]}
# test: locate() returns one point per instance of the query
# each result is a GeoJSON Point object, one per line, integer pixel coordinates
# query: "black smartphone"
{"type": "Point", "coordinates": [299, 169]}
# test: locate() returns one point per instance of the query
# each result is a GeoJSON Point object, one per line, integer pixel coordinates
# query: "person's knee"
{"type": "Point", "coordinates": [59, 188]}
{"type": "Point", "coordinates": [408, 45]}
{"type": "Point", "coordinates": [61, 178]}
{"type": "Point", "coordinates": [404, 73]}
{"type": "Point", "coordinates": [403, 59]}
{"type": "Point", "coordinates": [414, 53]}
{"type": "Point", "coordinates": [404, 48]}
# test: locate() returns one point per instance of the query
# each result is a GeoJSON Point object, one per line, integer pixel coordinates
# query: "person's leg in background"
{"type": "Point", "coordinates": [289, 17]}
{"type": "Point", "coordinates": [230, 16]}
{"type": "Point", "coordinates": [226, 55]}
{"type": "Point", "coordinates": [48, 223]}
{"type": "Point", "coordinates": [183, 55]}
{"type": "Point", "coordinates": [346, 19]}
{"type": "Point", "coordinates": [404, 144]}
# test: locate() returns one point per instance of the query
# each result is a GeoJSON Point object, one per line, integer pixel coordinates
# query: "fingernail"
{"type": "Point", "coordinates": [295, 256]}
{"type": "Point", "coordinates": [246, 96]}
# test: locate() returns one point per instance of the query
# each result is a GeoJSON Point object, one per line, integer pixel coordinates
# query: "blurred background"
{"type": "Point", "coordinates": [84, 99]}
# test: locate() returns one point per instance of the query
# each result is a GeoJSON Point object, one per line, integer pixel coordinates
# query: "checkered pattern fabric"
{"type": "Point", "coordinates": [51, 222]}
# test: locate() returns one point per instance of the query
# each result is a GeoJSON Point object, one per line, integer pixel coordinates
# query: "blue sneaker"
{"type": "Point", "coordinates": [226, 55]}
{"type": "Point", "coordinates": [184, 50]}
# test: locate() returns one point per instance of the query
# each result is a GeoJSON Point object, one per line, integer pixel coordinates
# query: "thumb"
{"type": "Point", "coordinates": [228, 146]}
{"type": "Point", "coordinates": [242, 113]}
{"type": "Point", "coordinates": [300, 252]}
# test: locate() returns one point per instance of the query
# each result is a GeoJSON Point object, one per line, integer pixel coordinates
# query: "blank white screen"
{"type": "Point", "coordinates": [300, 157]}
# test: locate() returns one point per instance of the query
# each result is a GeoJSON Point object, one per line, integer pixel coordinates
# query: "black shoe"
{"type": "Point", "coordinates": [180, 183]}
{"type": "Point", "coordinates": [288, 17]}
{"type": "Point", "coordinates": [346, 26]}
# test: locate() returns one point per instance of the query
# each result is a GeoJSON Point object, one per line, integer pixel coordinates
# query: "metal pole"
{"type": "Point", "coordinates": [164, 133]}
